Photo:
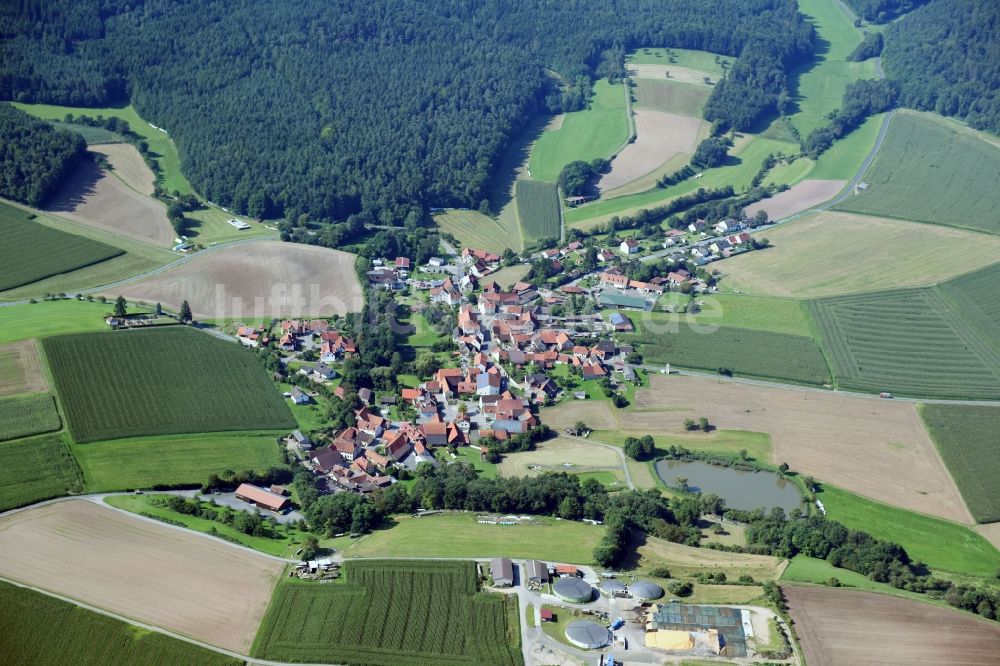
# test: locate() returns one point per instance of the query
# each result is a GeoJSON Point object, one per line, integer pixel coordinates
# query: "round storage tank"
{"type": "Point", "coordinates": [587, 635]}
{"type": "Point", "coordinates": [573, 590]}
{"type": "Point", "coordinates": [646, 591]}
{"type": "Point", "coordinates": [612, 588]}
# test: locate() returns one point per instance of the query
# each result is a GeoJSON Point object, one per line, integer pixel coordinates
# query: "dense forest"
{"type": "Point", "coordinates": [882, 11]}
{"type": "Point", "coordinates": [946, 58]}
{"type": "Point", "coordinates": [34, 157]}
{"type": "Point", "coordinates": [330, 108]}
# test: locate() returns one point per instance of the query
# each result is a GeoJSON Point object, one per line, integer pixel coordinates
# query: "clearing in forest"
{"type": "Point", "coordinates": [160, 381]}
{"type": "Point", "coordinates": [840, 626]}
{"type": "Point", "coordinates": [94, 197]}
{"type": "Point", "coordinates": [127, 164]}
{"type": "Point", "coordinates": [256, 280]}
{"type": "Point", "coordinates": [873, 447]}
{"type": "Point", "coordinates": [828, 253]}
{"type": "Point", "coordinates": [935, 171]}
{"type": "Point", "coordinates": [473, 229]}
{"type": "Point", "coordinates": [175, 579]}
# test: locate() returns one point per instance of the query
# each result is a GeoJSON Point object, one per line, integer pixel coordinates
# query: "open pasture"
{"type": "Point", "coordinates": [935, 171]}
{"type": "Point", "coordinates": [473, 229]}
{"type": "Point", "coordinates": [170, 578]}
{"type": "Point", "coordinates": [20, 323]}
{"type": "Point", "coordinates": [31, 251]}
{"type": "Point", "coordinates": [24, 415]}
{"type": "Point", "coordinates": [837, 626]}
{"type": "Point", "coordinates": [36, 469]}
{"type": "Point", "coordinates": [829, 253]}
{"type": "Point", "coordinates": [147, 462]}
{"type": "Point", "coordinates": [597, 131]}
{"type": "Point", "coordinates": [94, 197]}
{"type": "Point", "coordinates": [762, 313]}
{"type": "Point", "coordinates": [940, 544]}
{"type": "Point", "coordinates": [660, 137]}
{"type": "Point", "coordinates": [561, 454]}
{"type": "Point", "coordinates": [744, 351]}
{"type": "Point", "coordinates": [159, 382]}
{"type": "Point", "coordinates": [966, 437]}
{"type": "Point", "coordinates": [908, 341]}
{"type": "Point", "coordinates": [538, 209]}
{"type": "Point", "coordinates": [21, 369]}
{"type": "Point", "coordinates": [677, 73]}
{"type": "Point", "coordinates": [877, 448]}
{"type": "Point", "coordinates": [387, 613]}
{"type": "Point", "coordinates": [703, 60]}
{"type": "Point", "coordinates": [127, 164]}
{"type": "Point", "coordinates": [460, 535]}
{"type": "Point", "coordinates": [799, 197]}
{"type": "Point", "coordinates": [257, 280]}
{"type": "Point", "coordinates": [92, 135]}
{"type": "Point", "coordinates": [39, 629]}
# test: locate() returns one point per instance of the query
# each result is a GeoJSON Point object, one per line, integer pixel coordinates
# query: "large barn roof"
{"type": "Point", "coordinates": [587, 634]}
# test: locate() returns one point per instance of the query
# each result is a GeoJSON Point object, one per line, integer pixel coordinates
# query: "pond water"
{"type": "Point", "coordinates": [740, 489]}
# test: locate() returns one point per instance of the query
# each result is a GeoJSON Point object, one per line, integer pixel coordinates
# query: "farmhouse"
{"type": "Point", "coordinates": [629, 246]}
{"type": "Point", "coordinates": [299, 397]}
{"type": "Point", "coordinates": [502, 571]}
{"type": "Point", "coordinates": [536, 572]}
{"type": "Point", "coordinates": [262, 499]}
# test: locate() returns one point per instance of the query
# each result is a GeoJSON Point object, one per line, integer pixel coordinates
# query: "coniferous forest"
{"type": "Point", "coordinates": [336, 108]}
{"type": "Point", "coordinates": [34, 157]}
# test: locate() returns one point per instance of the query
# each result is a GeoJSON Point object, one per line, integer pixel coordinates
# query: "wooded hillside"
{"type": "Point", "coordinates": [34, 157]}
{"type": "Point", "coordinates": [334, 107]}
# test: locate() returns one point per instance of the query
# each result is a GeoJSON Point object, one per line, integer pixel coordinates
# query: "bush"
{"type": "Point", "coordinates": [680, 589]}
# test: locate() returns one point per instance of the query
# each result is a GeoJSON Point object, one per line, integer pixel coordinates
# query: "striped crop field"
{"type": "Point", "coordinates": [160, 381]}
{"type": "Point", "coordinates": [538, 208]}
{"type": "Point", "coordinates": [388, 613]}
{"type": "Point", "coordinates": [24, 415]}
{"type": "Point", "coordinates": [743, 351]}
{"type": "Point", "coordinates": [30, 251]}
{"type": "Point", "coordinates": [36, 469]}
{"type": "Point", "coordinates": [914, 342]}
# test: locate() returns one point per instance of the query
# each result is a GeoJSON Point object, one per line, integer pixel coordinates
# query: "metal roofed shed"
{"type": "Point", "coordinates": [502, 571]}
{"type": "Point", "coordinates": [613, 588]}
{"type": "Point", "coordinates": [573, 590]}
{"type": "Point", "coordinates": [588, 635]}
{"type": "Point", "coordinates": [645, 590]}
{"type": "Point", "coordinates": [537, 572]}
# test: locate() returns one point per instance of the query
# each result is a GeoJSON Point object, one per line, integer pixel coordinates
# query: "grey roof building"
{"type": "Point", "coordinates": [537, 572]}
{"type": "Point", "coordinates": [502, 571]}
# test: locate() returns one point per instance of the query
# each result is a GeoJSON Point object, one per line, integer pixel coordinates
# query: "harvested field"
{"type": "Point", "coordinates": [21, 369]}
{"type": "Point", "coordinates": [555, 454]}
{"type": "Point", "coordinates": [257, 281]}
{"type": "Point", "coordinates": [127, 164]}
{"type": "Point", "coordinates": [876, 448]}
{"type": "Point", "coordinates": [669, 96]}
{"type": "Point", "coordinates": [671, 72]}
{"type": "Point", "coordinates": [685, 560]}
{"type": "Point", "coordinates": [595, 413]}
{"type": "Point", "coordinates": [659, 137]}
{"type": "Point", "coordinates": [837, 626]}
{"type": "Point", "coordinates": [829, 253]}
{"type": "Point", "coordinates": [799, 197]}
{"type": "Point", "coordinates": [473, 229]}
{"type": "Point", "coordinates": [96, 198]}
{"type": "Point", "coordinates": [991, 533]}
{"type": "Point", "coordinates": [162, 576]}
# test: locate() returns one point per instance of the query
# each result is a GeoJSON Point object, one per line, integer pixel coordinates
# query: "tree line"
{"type": "Point", "coordinates": [35, 158]}
{"type": "Point", "coordinates": [332, 109]}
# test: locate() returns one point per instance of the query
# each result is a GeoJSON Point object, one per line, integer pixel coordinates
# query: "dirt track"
{"type": "Point", "coordinates": [991, 532]}
{"type": "Point", "coordinates": [127, 164]}
{"type": "Point", "coordinates": [21, 369]}
{"type": "Point", "coordinates": [257, 280]}
{"type": "Point", "coordinates": [96, 198]}
{"type": "Point", "coordinates": [165, 577]}
{"type": "Point", "coordinates": [839, 626]}
{"type": "Point", "coordinates": [659, 136]}
{"type": "Point", "coordinates": [876, 448]}
{"type": "Point", "coordinates": [797, 198]}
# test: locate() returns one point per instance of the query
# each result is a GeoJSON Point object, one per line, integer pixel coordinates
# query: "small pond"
{"type": "Point", "coordinates": [740, 489]}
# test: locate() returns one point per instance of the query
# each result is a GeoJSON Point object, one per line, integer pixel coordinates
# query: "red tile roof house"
{"type": "Point", "coordinates": [614, 280]}
{"type": "Point", "coordinates": [261, 498]}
